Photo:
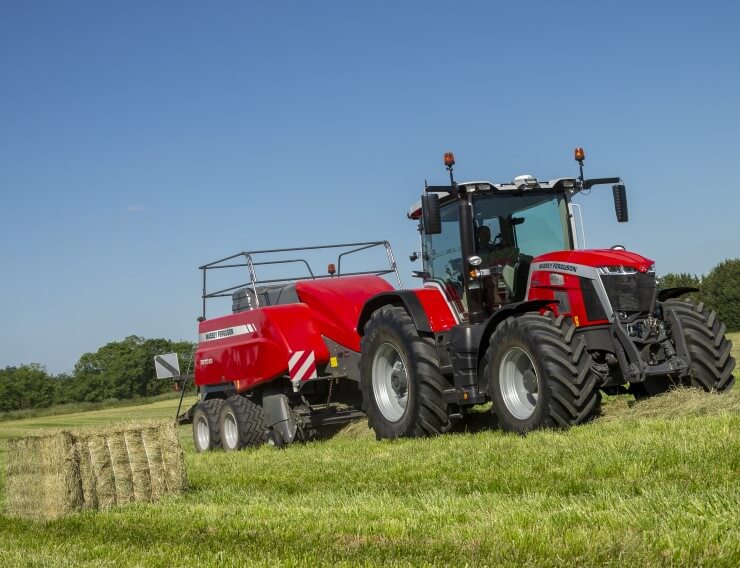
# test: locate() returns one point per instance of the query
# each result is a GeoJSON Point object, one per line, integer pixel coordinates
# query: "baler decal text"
{"type": "Point", "coordinates": [227, 332]}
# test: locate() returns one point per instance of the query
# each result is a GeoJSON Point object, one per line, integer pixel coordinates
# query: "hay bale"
{"type": "Point", "coordinates": [87, 475]}
{"type": "Point", "coordinates": [121, 466]}
{"type": "Point", "coordinates": [105, 482]}
{"type": "Point", "coordinates": [139, 466]}
{"type": "Point", "coordinates": [153, 450]}
{"type": "Point", "coordinates": [173, 458]}
{"type": "Point", "coordinates": [23, 457]}
{"type": "Point", "coordinates": [61, 466]}
{"type": "Point", "coordinates": [53, 475]}
{"type": "Point", "coordinates": [43, 477]}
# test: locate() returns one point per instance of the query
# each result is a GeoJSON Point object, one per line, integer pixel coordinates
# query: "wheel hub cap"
{"type": "Point", "coordinates": [231, 431]}
{"type": "Point", "coordinates": [203, 433]}
{"type": "Point", "coordinates": [390, 382]}
{"type": "Point", "coordinates": [518, 383]}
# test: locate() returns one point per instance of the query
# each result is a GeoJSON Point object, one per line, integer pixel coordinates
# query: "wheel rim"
{"type": "Point", "coordinates": [518, 383]}
{"type": "Point", "coordinates": [390, 382]}
{"type": "Point", "coordinates": [203, 433]}
{"type": "Point", "coordinates": [231, 431]}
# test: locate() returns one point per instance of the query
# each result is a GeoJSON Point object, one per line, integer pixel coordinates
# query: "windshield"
{"type": "Point", "coordinates": [528, 225]}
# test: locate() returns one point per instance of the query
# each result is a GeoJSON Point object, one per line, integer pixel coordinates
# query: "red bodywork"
{"type": "Point", "coordinates": [598, 257]}
{"type": "Point", "coordinates": [252, 347]}
{"type": "Point", "coordinates": [541, 287]}
{"type": "Point", "coordinates": [436, 308]}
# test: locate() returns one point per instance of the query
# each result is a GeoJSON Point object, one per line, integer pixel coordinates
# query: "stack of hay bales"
{"type": "Point", "coordinates": [52, 475]}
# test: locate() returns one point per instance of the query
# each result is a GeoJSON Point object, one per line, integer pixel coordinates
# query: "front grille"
{"type": "Point", "coordinates": [630, 292]}
{"type": "Point", "coordinates": [594, 309]}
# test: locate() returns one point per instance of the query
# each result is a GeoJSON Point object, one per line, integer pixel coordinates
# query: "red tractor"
{"type": "Point", "coordinates": [511, 310]}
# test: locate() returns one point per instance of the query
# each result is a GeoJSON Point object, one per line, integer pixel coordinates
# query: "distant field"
{"type": "Point", "coordinates": [78, 407]}
{"type": "Point", "coordinates": [626, 490]}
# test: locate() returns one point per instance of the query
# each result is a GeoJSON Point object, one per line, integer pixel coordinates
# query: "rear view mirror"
{"type": "Point", "coordinates": [430, 217]}
{"type": "Point", "coordinates": [620, 202]}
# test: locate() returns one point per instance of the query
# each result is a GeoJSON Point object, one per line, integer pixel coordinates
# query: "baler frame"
{"type": "Point", "coordinates": [250, 263]}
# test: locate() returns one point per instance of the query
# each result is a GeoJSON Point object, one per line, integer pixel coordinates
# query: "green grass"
{"type": "Point", "coordinates": [625, 491]}
{"type": "Point", "coordinates": [735, 338]}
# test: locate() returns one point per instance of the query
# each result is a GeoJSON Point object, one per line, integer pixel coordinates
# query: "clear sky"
{"type": "Point", "coordinates": [139, 140]}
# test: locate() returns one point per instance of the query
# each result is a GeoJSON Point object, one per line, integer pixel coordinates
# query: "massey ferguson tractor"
{"type": "Point", "coordinates": [510, 310]}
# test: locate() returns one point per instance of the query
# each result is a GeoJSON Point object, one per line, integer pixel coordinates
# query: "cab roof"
{"type": "Point", "coordinates": [521, 184]}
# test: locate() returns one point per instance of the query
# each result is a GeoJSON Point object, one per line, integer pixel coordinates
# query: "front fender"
{"type": "Point", "coordinates": [668, 293]}
{"type": "Point", "coordinates": [505, 312]}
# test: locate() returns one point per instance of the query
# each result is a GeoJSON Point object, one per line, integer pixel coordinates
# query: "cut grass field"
{"type": "Point", "coordinates": [651, 484]}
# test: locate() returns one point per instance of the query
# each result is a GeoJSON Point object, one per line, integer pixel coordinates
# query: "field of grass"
{"type": "Point", "coordinates": [650, 484]}
{"type": "Point", "coordinates": [77, 407]}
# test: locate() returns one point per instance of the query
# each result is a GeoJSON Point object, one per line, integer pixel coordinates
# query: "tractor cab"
{"type": "Point", "coordinates": [512, 224]}
{"type": "Point", "coordinates": [478, 239]}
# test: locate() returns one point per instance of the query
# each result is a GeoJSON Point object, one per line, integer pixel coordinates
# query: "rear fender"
{"type": "Point", "coordinates": [427, 307]}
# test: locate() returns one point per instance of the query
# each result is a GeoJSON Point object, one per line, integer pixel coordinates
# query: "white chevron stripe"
{"type": "Point", "coordinates": [294, 358]}
{"type": "Point", "coordinates": [310, 360]}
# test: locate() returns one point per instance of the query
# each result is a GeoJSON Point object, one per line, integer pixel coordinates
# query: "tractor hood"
{"type": "Point", "coordinates": [599, 257]}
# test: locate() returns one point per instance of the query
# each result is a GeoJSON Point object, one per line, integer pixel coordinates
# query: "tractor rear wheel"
{"type": "Point", "coordinates": [206, 430]}
{"type": "Point", "coordinates": [539, 374]}
{"type": "Point", "coordinates": [400, 379]}
{"type": "Point", "coordinates": [711, 359]}
{"type": "Point", "coordinates": [242, 424]}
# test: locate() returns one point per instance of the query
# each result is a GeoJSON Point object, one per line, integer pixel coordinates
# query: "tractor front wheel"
{"type": "Point", "coordinates": [400, 379]}
{"type": "Point", "coordinates": [206, 430]}
{"type": "Point", "coordinates": [539, 374]}
{"type": "Point", "coordinates": [711, 358]}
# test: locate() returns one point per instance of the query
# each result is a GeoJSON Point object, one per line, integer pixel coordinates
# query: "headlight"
{"type": "Point", "coordinates": [616, 270]}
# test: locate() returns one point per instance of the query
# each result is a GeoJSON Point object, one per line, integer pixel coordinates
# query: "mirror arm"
{"type": "Point", "coordinates": [589, 183]}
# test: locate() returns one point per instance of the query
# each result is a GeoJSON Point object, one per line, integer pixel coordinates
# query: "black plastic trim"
{"type": "Point", "coordinates": [668, 293]}
{"type": "Point", "coordinates": [407, 298]}
{"type": "Point", "coordinates": [514, 309]}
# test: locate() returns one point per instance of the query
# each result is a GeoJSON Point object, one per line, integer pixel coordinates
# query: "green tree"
{"type": "Point", "coordinates": [721, 291]}
{"type": "Point", "coordinates": [26, 386]}
{"type": "Point", "coordinates": [125, 369]}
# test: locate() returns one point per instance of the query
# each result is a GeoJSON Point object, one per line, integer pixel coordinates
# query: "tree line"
{"type": "Point", "coordinates": [118, 370]}
{"type": "Point", "coordinates": [719, 290]}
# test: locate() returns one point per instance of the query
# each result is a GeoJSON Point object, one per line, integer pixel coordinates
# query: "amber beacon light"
{"type": "Point", "coordinates": [580, 154]}
{"type": "Point", "coordinates": [449, 159]}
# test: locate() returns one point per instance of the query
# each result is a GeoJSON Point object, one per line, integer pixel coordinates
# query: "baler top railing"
{"type": "Point", "coordinates": [250, 264]}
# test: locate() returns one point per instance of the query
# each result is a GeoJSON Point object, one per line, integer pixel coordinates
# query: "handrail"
{"type": "Point", "coordinates": [250, 263]}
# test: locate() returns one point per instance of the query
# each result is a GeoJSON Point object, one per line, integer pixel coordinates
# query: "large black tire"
{"type": "Point", "coordinates": [206, 429]}
{"type": "Point", "coordinates": [539, 374]}
{"type": "Point", "coordinates": [400, 379]}
{"type": "Point", "coordinates": [711, 359]}
{"type": "Point", "coordinates": [242, 424]}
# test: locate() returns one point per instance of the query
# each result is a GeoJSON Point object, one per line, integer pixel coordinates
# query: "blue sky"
{"type": "Point", "coordinates": [139, 140]}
